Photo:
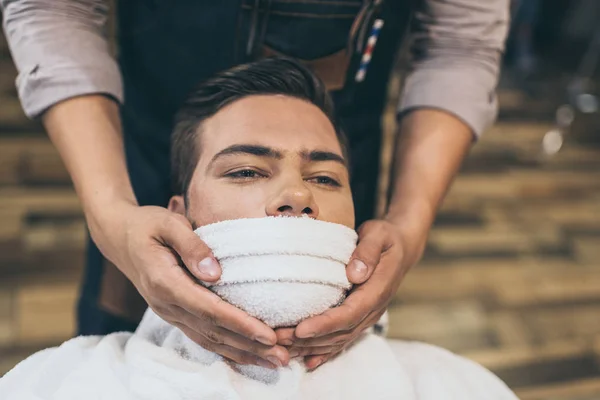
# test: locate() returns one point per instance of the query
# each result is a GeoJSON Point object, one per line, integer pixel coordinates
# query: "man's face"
{"type": "Point", "coordinates": [267, 156]}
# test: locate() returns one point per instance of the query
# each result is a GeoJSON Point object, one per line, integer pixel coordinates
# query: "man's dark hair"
{"type": "Point", "coordinates": [264, 77]}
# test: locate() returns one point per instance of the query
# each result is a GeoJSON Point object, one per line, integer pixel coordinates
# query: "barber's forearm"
{"type": "Point", "coordinates": [86, 131]}
{"type": "Point", "coordinates": [430, 148]}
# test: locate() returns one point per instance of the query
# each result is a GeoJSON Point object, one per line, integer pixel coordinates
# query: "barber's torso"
{"type": "Point", "coordinates": [167, 47]}
{"type": "Point", "coordinates": [174, 44]}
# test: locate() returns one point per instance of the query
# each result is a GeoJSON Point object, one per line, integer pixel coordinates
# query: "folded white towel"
{"type": "Point", "coordinates": [160, 362]}
{"type": "Point", "coordinates": [281, 270]}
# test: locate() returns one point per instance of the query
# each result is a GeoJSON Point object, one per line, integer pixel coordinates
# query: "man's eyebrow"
{"type": "Point", "coordinates": [320, 155]}
{"type": "Point", "coordinates": [252, 149]}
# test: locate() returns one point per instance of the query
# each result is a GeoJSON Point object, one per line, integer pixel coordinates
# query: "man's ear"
{"type": "Point", "coordinates": [177, 205]}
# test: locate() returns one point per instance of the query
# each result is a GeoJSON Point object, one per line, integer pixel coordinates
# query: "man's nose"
{"type": "Point", "coordinates": [293, 200]}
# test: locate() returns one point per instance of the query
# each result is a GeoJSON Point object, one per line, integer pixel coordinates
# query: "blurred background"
{"type": "Point", "coordinates": [511, 275]}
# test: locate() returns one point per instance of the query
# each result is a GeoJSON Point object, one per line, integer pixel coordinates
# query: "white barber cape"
{"type": "Point", "coordinates": [159, 362]}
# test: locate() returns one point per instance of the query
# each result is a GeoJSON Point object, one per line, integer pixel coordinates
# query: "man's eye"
{"type": "Point", "coordinates": [244, 174]}
{"type": "Point", "coordinates": [325, 180]}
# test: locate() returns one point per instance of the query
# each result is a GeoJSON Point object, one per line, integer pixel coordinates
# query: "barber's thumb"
{"type": "Point", "coordinates": [207, 269]}
{"type": "Point", "coordinates": [194, 253]}
{"type": "Point", "coordinates": [357, 271]}
{"type": "Point", "coordinates": [202, 264]}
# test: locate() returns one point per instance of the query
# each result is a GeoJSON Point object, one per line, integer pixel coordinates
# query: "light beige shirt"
{"type": "Point", "coordinates": [61, 50]}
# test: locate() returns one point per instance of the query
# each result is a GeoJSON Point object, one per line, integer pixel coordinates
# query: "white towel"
{"type": "Point", "coordinates": [281, 270]}
{"type": "Point", "coordinates": [159, 362]}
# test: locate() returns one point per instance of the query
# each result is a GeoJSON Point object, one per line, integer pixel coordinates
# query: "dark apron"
{"type": "Point", "coordinates": [167, 47]}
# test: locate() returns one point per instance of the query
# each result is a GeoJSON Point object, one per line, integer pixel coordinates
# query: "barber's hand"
{"type": "Point", "coordinates": [377, 268]}
{"type": "Point", "coordinates": [151, 245]}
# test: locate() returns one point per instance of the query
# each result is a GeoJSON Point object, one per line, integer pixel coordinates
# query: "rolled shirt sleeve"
{"type": "Point", "coordinates": [61, 50]}
{"type": "Point", "coordinates": [456, 48]}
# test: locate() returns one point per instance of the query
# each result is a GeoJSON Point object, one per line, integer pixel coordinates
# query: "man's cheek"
{"type": "Point", "coordinates": [205, 208]}
{"type": "Point", "coordinates": [336, 209]}
{"type": "Point", "coordinates": [223, 202]}
{"type": "Point", "coordinates": [238, 205]}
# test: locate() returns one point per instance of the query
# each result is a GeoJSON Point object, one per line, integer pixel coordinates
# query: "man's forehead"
{"type": "Point", "coordinates": [294, 126]}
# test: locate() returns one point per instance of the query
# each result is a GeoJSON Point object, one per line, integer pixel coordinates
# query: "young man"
{"type": "Point", "coordinates": [257, 141]}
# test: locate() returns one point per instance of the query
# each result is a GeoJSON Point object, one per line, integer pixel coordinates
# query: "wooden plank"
{"type": "Point", "coordinates": [523, 282]}
{"type": "Point", "coordinates": [458, 325]}
{"type": "Point", "coordinates": [450, 240]}
{"type": "Point", "coordinates": [11, 113]}
{"type": "Point", "coordinates": [31, 161]}
{"type": "Point", "coordinates": [7, 324]}
{"type": "Point", "coordinates": [564, 322]}
{"type": "Point", "coordinates": [506, 357]}
{"type": "Point", "coordinates": [45, 312]}
{"type": "Point", "coordinates": [3, 45]}
{"type": "Point", "coordinates": [8, 76]}
{"type": "Point", "coordinates": [530, 185]}
{"type": "Point", "coordinates": [550, 287]}
{"type": "Point", "coordinates": [580, 389]}
{"type": "Point", "coordinates": [12, 222]}
{"type": "Point", "coordinates": [513, 134]}
{"type": "Point", "coordinates": [50, 236]}
{"type": "Point", "coordinates": [577, 212]}
{"type": "Point", "coordinates": [66, 262]}
{"type": "Point", "coordinates": [587, 249]}
{"type": "Point", "coordinates": [40, 200]}
{"type": "Point", "coordinates": [9, 166]}
{"type": "Point", "coordinates": [509, 329]}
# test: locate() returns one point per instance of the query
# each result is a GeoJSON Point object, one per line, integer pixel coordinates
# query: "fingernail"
{"type": "Point", "coordinates": [360, 268]}
{"type": "Point", "coordinates": [265, 364]}
{"type": "Point", "coordinates": [294, 353]}
{"type": "Point", "coordinates": [264, 341]}
{"type": "Point", "coordinates": [318, 364]}
{"type": "Point", "coordinates": [275, 361]}
{"type": "Point", "coordinates": [209, 266]}
{"type": "Point", "coordinates": [309, 335]}
{"type": "Point", "coordinates": [286, 342]}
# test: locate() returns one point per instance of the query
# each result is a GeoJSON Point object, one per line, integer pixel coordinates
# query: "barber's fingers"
{"type": "Point", "coordinates": [169, 288]}
{"type": "Point", "coordinates": [179, 300]}
{"type": "Point", "coordinates": [313, 362]}
{"type": "Point", "coordinates": [161, 277]}
{"type": "Point", "coordinates": [314, 351]}
{"type": "Point", "coordinates": [316, 356]}
{"type": "Point", "coordinates": [343, 318]}
{"type": "Point", "coordinates": [231, 353]}
{"type": "Point", "coordinates": [365, 300]}
{"type": "Point", "coordinates": [337, 339]}
{"type": "Point", "coordinates": [333, 339]}
{"type": "Point", "coordinates": [219, 336]}
{"type": "Point", "coordinates": [274, 354]}
{"type": "Point", "coordinates": [177, 233]}
{"type": "Point", "coordinates": [208, 310]}
{"type": "Point", "coordinates": [285, 336]}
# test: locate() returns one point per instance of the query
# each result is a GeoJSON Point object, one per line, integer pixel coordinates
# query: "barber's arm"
{"type": "Point", "coordinates": [68, 77]}
{"type": "Point", "coordinates": [448, 100]}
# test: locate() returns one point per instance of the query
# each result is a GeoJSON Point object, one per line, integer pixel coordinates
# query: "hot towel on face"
{"type": "Point", "coordinates": [281, 270]}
